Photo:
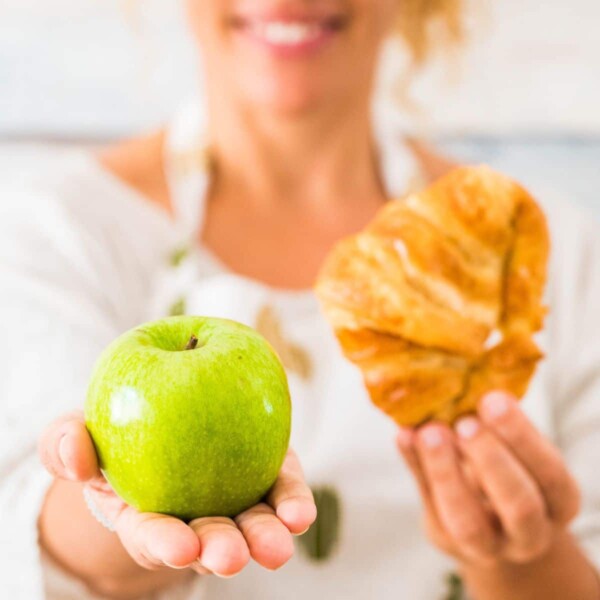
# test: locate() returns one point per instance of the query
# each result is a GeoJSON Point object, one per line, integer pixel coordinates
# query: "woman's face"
{"type": "Point", "coordinates": [291, 56]}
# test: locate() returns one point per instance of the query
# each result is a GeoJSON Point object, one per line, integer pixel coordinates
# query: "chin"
{"type": "Point", "coordinates": [288, 101]}
{"type": "Point", "coordinates": [293, 95]}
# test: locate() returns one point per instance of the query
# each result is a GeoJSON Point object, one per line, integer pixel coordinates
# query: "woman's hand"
{"type": "Point", "coordinates": [218, 545]}
{"type": "Point", "coordinates": [494, 489]}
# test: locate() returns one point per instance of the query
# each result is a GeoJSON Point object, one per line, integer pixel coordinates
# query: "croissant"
{"type": "Point", "coordinates": [438, 299]}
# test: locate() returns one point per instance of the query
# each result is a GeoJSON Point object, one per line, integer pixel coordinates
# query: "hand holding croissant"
{"type": "Point", "coordinates": [438, 298]}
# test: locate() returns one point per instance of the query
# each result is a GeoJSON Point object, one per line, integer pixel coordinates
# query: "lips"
{"type": "Point", "coordinates": [287, 33]}
{"type": "Point", "coordinates": [290, 34]}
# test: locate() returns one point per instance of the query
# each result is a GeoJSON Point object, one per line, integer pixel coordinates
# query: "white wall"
{"type": "Point", "coordinates": [91, 68]}
{"type": "Point", "coordinates": [83, 68]}
{"type": "Point", "coordinates": [534, 65]}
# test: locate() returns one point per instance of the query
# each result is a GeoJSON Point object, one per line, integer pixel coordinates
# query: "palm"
{"type": "Point", "coordinates": [211, 544]}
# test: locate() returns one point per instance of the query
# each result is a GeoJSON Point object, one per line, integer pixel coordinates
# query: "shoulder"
{"type": "Point", "coordinates": [573, 289]}
{"type": "Point", "coordinates": [432, 163]}
{"type": "Point", "coordinates": [42, 196]}
{"type": "Point", "coordinates": [139, 164]}
{"type": "Point", "coordinates": [575, 253]}
{"type": "Point", "coordinates": [68, 211]}
{"type": "Point", "coordinates": [86, 186]}
{"type": "Point", "coordinates": [574, 232]}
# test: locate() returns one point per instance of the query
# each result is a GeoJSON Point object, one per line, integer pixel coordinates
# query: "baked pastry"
{"type": "Point", "coordinates": [437, 300]}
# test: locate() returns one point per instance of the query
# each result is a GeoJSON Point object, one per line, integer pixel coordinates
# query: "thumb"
{"type": "Point", "coordinates": [67, 451]}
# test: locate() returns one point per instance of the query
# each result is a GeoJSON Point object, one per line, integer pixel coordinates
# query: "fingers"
{"type": "Point", "coordinates": [155, 540]}
{"type": "Point", "coordinates": [262, 532]}
{"type": "Point", "coordinates": [406, 441]}
{"type": "Point", "coordinates": [269, 540]}
{"type": "Point", "coordinates": [67, 451]}
{"type": "Point", "coordinates": [223, 549]}
{"type": "Point", "coordinates": [291, 497]}
{"type": "Point", "coordinates": [500, 413]}
{"type": "Point", "coordinates": [510, 489]}
{"type": "Point", "coordinates": [459, 510]}
{"type": "Point", "coordinates": [208, 545]}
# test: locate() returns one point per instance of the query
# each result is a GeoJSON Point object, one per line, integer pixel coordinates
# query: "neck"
{"type": "Point", "coordinates": [319, 159]}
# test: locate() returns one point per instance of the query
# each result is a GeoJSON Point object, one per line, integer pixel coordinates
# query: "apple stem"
{"type": "Point", "coordinates": [192, 343]}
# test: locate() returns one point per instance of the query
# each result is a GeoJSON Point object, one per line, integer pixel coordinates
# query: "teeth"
{"type": "Point", "coordinates": [285, 33]}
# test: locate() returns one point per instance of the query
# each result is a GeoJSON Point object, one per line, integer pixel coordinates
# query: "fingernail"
{"type": "Point", "coordinates": [467, 428]}
{"type": "Point", "coordinates": [302, 532]}
{"type": "Point", "coordinates": [432, 437]}
{"type": "Point", "coordinates": [223, 576]}
{"type": "Point", "coordinates": [495, 404]}
{"type": "Point", "coordinates": [405, 437]}
{"type": "Point", "coordinates": [178, 568]}
{"type": "Point", "coordinates": [62, 454]}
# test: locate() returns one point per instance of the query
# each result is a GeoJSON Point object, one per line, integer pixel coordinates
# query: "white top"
{"type": "Point", "coordinates": [83, 258]}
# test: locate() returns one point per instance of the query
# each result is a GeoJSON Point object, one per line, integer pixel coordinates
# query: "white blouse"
{"type": "Point", "coordinates": [83, 258]}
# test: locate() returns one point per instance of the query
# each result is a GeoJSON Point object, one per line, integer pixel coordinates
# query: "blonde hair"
{"type": "Point", "coordinates": [428, 25]}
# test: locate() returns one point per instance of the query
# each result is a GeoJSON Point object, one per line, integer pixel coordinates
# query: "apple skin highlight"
{"type": "Point", "coordinates": [190, 431]}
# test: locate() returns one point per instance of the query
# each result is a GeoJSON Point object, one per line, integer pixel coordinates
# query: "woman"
{"type": "Point", "coordinates": [232, 215]}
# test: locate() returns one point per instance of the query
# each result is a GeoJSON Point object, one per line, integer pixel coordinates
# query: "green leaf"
{"type": "Point", "coordinates": [321, 540]}
{"type": "Point", "coordinates": [178, 308]}
{"type": "Point", "coordinates": [178, 256]}
{"type": "Point", "coordinates": [456, 590]}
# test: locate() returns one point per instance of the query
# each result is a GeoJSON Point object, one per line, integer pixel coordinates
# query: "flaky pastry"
{"type": "Point", "coordinates": [437, 300]}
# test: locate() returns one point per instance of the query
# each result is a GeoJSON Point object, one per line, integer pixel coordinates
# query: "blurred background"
{"type": "Point", "coordinates": [525, 97]}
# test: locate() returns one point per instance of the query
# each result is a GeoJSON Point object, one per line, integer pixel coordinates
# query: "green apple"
{"type": "Point", "coordinates": [190, 416]}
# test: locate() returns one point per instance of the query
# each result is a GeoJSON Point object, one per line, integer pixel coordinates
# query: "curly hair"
{"type": "Point", "coordinates": [427, 24]}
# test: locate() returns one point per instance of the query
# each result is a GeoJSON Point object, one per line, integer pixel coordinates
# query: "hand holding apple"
{"type": "Point", "coordinates": [184, 447]}
{"type": "Point", "coordinates": [219, 545]}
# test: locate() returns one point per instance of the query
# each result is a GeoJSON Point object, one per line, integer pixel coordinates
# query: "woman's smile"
{"type": "Point", "coordinates": [290, 32]}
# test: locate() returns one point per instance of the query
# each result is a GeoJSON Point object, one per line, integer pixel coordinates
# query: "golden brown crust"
{"type": "Point", "coordinates": [416, 298]}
